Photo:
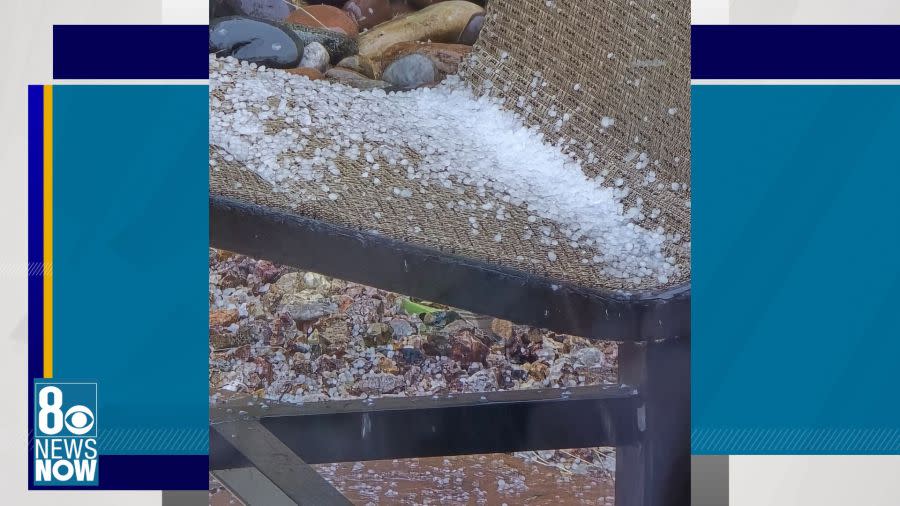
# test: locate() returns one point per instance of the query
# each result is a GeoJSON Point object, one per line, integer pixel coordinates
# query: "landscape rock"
{"type": "Point", "coordinates": [412, 356]}
{"type": "Point", "coordinates": [301, 365]}
{"type": "Point", "coordinates": [537, 370]}
{"type": "Point", "coordinates": [378, 334]}
{"type": "Point", "coordinates": [266, 271]}
{"type": "Point", "coordinates": [220, 339]}
{"type": "Point", "coordinates": [359, 64]}
{"type": "Point", "coordinates": [369, 13]}
{"type": "Point", "coordinates": [588, 357]}
{"type": "Point", "coordinates": [533, 336]}
{"type": "Point", "coordinates": [484, 380]}
{"type": "Point", "coordinates": [306, 306]}
{"type": "Point", "coordinates": [284, 329]}
{"type": "Point", "coordinates": [339, 46]}
{"type": "Point", "coordinates": [441, 318]}
{"type": "Point", "coordinates": [572, 344]}
{"type": "Point", "coordinates": [402, 328]}
{"type": "Point", "coordinates": [334, 337]}
{"type": "Point", "coordinates": [466, 349]}
{"type": "Point", "coordinates": [324, 16]}
{"type": "Point", "coordinates": [459, 340]}
{"type": "Point", "coordinates": [387, 366]}
{"type": "Point", "coordinates": [411, 71]}
{"type": "Point", "coordinates": [502, 328]}
{"type": "Point", "coordinates": [246, 332]}
{"type": "Point", "coordinates": [222, 317]}
{"type": "Point", "coordinates": [312, 74]}
{"type": "Point", "coordinates": [355, 79]}
{"type": "Point", "coordinates": [315, 56]}
{"type": "Point", "coordinates": [380, 383]}
{"type": "Point", "coordinates": [472, 30]}
{"type": "Point", "coordinates": [441, 22]}
{"type": "Point", "coordinates": [256, 41]}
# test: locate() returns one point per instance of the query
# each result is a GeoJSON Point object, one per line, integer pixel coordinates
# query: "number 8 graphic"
{"type": "Point", "coordinates": [48, 409]}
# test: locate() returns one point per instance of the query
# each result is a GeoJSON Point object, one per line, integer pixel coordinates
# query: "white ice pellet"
{"type": "Point", "coordinates": [443, 136]}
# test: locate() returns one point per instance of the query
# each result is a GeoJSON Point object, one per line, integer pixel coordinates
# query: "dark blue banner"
{"type": "Point", "coordinates": [130, 52]}
{"type": "Point", "coordinates": [795, 52]}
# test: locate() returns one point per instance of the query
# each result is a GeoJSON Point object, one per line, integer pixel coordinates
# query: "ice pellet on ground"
{"type": "Point", "coordinates": [442, 136]}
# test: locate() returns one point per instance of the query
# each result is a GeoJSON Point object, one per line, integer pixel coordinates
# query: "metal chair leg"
{"type": "Point", "coordinates": [656, 472]}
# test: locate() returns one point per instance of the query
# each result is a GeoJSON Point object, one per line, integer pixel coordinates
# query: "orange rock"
{"type": "Point", "coordinates": [312, 74]}
{"type": "Point", "coordinates": [446, 57]}
{"type": "Point", "coordinates": [318, 16]}
{"type": "Point", "coordinates": [222, 317]}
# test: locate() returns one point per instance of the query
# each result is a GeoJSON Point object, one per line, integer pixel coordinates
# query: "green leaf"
{"type": "Point", "coordinates": [414, 308]}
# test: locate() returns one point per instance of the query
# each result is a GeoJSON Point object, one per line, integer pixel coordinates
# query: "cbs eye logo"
{"type": "Point", "coordinates": [78, 420]}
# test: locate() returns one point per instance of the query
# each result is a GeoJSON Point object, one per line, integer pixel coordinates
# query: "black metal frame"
{"type": "Point", "coordinates": [646, 417]}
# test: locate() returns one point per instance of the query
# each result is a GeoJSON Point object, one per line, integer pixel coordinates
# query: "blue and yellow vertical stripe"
{"type": "Point", "coordinates": [40, 231]}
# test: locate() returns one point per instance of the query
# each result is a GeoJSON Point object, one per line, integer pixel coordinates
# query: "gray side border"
{"type": "Point", "coordinates": [709, 480]}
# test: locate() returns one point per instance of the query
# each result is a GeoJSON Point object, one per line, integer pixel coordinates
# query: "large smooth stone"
{"type": "Point", "coordinates": [441, 22]}
{"type": "Point", "coordinates": [262, 42]}
{"type": "Point", "coordinates": [472, 30]}
{"type": "Point", "coordinates": [324, 16]}
{"type": "Point", "coordinates": [272, 10]}
{"type": "Point", "coordinates": [369, 13]}
{"type": "Point", "coordinates": [411, 71]}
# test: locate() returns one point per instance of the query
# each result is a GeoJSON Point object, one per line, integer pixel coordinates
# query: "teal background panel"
{"type": "Point", "coordinates": [130, 232]}
{"type": "Point", "coordinates": [796, 228]}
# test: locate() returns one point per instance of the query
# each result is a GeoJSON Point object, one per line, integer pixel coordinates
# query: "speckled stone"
{"type": "Point", "coordinates": [339, 46]}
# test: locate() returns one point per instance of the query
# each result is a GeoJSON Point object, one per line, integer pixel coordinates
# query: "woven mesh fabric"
{"type": "Point", "coordinates": [627, 60]}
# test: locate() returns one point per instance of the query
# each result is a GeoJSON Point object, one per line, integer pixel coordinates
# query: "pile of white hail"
{"type": "Point", "coordinates": [441, 136]}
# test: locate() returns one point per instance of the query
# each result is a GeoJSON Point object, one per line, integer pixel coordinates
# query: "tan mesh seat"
{"type": "Point", "coordinates": [600, 59]}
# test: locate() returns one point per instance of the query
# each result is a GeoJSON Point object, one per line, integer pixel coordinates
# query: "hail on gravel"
{"type": "Point", "coordinates": [456, 138]}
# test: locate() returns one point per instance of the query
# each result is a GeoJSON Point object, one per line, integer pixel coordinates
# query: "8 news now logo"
{"type": "Point", "coordinates": [65, 433]}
